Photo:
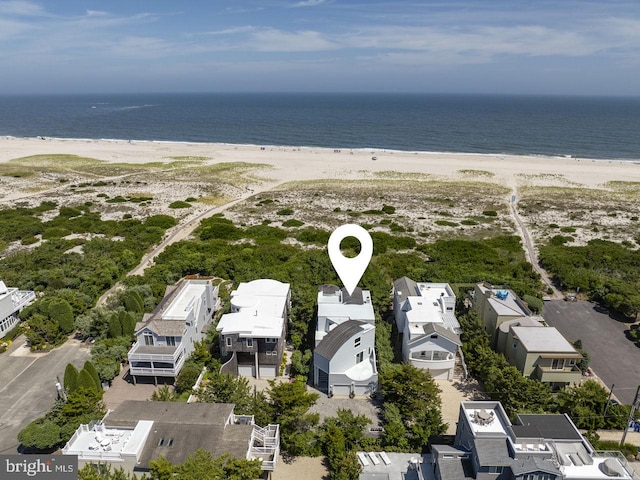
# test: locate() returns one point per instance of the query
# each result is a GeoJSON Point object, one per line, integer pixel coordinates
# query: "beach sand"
{"type": "Point", "coordinates": [291, 163]}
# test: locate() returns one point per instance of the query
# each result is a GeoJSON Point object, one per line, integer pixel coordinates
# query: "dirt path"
{"type": "Point", "coordinates": [530, 249]}
{"type": "Point", "coordinates": [183, 230]}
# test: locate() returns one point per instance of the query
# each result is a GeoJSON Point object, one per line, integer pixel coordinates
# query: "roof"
{"type": "Point", "coordinates": [189, 425]}
{"type": "Point", "coordinates": [404, 287]}
{"type": "Point", "coordinates": [355, 307]}
{"type": "Point", "coordinates": [550, 427]}
{"type": "Point", "coordinates": [542, 339]}
{"type": "Point", "coordinates": [333, 340]}
{"type": "Point", "coordinates": [188, 438]}
{"type": "Point", "coordinates": [129, 412]}
{"type": "Point", "coordinates": [520, 322]}
{"type": "Point", "coordinates": [251, 325]}
{"type": "Point", "coordinates": [531, 464]}
{"type": "Point", "coordinates": [492, 451]}
{"type": "Point", "coordinates": [168, 318]}
{"type": "Point", "coordinates": [263, 287]}
{"type": "Point", "coordinates": [436, 329]}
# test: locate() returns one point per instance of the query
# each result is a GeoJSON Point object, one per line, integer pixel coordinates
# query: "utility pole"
{"type": "Point", "coordinates": [606, 407]}
{"type": "Point", "coordinates": [635, 405]}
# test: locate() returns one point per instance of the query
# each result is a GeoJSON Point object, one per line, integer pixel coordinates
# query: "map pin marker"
{"type": "Point", "coordinates": [350, 270]}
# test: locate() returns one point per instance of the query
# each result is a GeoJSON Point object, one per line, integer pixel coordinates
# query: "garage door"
{"type": "Point", "coordinates": [268, 371]}
{"type": "Point", "coordinates": [247, 370]}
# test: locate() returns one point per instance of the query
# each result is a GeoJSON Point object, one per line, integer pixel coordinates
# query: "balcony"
{"type": "Point", "coordinates": [155, 360]}
{"type": "Point", "coordinates": [265, 445]}
{"type": "Point", "coordinates": [433, 359]}
{"type": "Point", "coordinates": [553, 375]}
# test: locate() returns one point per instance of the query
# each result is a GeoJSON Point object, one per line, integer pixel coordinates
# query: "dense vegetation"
{"type": "Point", "coordinates": [606, 271]}
{"type": "Point", "coordinates": [80, 257]}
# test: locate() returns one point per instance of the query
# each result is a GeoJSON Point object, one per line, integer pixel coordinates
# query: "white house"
{"type": "Point", "coordinates": [166, 337]}
{"type": "Point", "coordinates": [344, 362]}
{"type": "Point", "coordinates": [336, 306]}
{"type": "Point", "coordinates": [12, 301]}
{"type": "Point", "coordinates": [428, 327]}
{"type": "Point", "coordinates": [434, 350]}
{"type": "Point", "coordinates": [253, 335]}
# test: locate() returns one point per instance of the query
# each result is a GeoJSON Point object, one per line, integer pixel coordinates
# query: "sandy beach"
{"type": "Point", "coordinates": [291, 163]}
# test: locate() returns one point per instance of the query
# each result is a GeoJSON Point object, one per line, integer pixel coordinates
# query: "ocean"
{"type": "Point", "coordinates": [582, 127]}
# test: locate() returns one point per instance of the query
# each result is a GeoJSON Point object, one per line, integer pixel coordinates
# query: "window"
{"type": "Point", "coordinates": [250, 342]}
{"type": "Point", "coordinates": [357, 342]}
{"type": "Point", "coordinates": [229, 342]}
{"type": "Point", "coordinates": [148, 339]}
{"type": "Point", "coordinates": [171, 341]}
{"type": "Point", "coordinates": [557, 364]}
{"type": "Point", "coordinates": [170, 443]}
{"type": "Point", "coordinates": [572, 363]}
{"type": "Point", "coordinates": [271, 340]}
{"type": "Point", "coordinates": [359, 357]}
{"type": "Point", "coordinates": [161, 442]}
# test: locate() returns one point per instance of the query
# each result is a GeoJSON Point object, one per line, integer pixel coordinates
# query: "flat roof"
{"type": "Point", "coordinates": [542, 339]}
{"type": "Point", "coordinates": [183, 303]}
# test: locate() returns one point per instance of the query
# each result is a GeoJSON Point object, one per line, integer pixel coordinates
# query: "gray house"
{"type": "Point", "coordinates": [344, 362]}
{"type": "Point", "coordinates": [166, 337]}
{"type": "Point", "coordinates": [488, 446]}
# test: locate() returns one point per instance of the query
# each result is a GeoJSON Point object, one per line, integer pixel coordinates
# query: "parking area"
{"type": "Point", "coordinates": [27, 385]}
{"type": "Point", "coordinates": [614, 358]}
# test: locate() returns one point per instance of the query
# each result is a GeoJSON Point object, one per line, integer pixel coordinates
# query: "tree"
{"type": "Point", "coordinates": [104, 471]}
{"type": "Point", "coordinates": [225, 388]}
{"type": "Point", "coordinates": [582, 364]}
{"type": "Point", "coordinates": [115, 327]}
{"type": "Point", "coordinates": [41, 434]}
{"type": "Point", "coordinates": [127, 323]}
{"type": "Point", "coordinates": [133, 302]}
{"type": "Point", "coordinates": [300, 362]}
{"type": "Point", "coordinates": [88, 366]}
{"type": "Point", "coordinates": [394, 435]}
{"type": "Point", "coordinates": [187, 376]}
{"type": "Point", "coordinates": [61, 312]}
{"type": "Point", "coordinates": [85, 381]}
{"type": "Point", "coordinates": [417, 398]}
{"type": "Point", "coordinates": [585, 404]}
{"type": "Point", "coordinates": [287, 404]}
{"type": "Point", "coordinates": [70, 378]}
{"type": "Point", "coordinates": [202, 466]}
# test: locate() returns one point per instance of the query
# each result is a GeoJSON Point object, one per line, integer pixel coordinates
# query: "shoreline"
{"type": "Point", "coordinates": [291, 164]}
{"type": "Point", "coordinates": [313, 147]}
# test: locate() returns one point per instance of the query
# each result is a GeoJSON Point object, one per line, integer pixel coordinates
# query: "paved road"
{"type": "Point", "coordinates": [614, 359]}
{"type": "Point", "coordinates": [27, 386]}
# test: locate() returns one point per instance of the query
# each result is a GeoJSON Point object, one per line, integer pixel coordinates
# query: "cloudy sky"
{"type": "Point", "coordinates": [447, 46]}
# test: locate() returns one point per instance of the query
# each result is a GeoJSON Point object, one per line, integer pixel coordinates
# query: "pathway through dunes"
{"type": "Point", "coordinates": [530, 249]}
{"type": "Point", "coordinates": [184, 229]}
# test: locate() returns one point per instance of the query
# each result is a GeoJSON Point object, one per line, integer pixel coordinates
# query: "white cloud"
{"type": "Point", "coordinates": [272, 40]}
{"type": "Point", "coordinates": [308, 3]}
{"type": "Point", "coordinates": [22, 8]}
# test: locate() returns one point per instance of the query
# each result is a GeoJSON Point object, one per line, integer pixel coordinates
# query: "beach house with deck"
{"type": "Point", "coordinates": [253, 334]}
{"type": "Point", "coordinates": [165, 338]}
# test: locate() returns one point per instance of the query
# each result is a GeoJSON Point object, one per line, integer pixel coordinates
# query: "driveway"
{"type": "Point", "coordinates": [27, 385]}
{"type": "Point", "coordinates": [614, 359]}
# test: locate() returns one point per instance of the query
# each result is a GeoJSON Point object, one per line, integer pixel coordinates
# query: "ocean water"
{"type": "Point", "coordinates": [583, 127]}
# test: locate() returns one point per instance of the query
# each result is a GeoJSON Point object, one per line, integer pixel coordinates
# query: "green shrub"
{"type": "Point", "coordinates": [187, 376]}
{"type": "Point", "coordinates": [29, 240]}
{"type": "Point", "coordinates": [388, 209]}
{"type": "Point", "coordinates": [567, 229]}
{"type": "Point", "coordinates": [191, 199]}
{"type": "Point", "coordinates": [394, 227]}
{"type": "Point", "coordinates": [446, 223]}
{"type": "Point", "coordinates": [285, 211]}
{"type": "Point", "coordinates": [179, 204]}
{"type": "Point", "coordinates": [118, 199]}
{"type": "Point", "coordinates": [490, 213]}
{"type": "Point", "coordinates": [535, 304]}
{"type": "Point", "coordinates": [468, 222]}
{"type": "Point", "coordinates": [292, 223]}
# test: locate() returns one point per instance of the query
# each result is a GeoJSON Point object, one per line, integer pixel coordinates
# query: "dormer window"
{"type": "Point", "coordinates": [148, 338]}
{"type": "Point", "coordinates": [170, 341]}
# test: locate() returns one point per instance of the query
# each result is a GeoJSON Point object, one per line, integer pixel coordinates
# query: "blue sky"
{"type": "Point", "coordinates": [531, 47]}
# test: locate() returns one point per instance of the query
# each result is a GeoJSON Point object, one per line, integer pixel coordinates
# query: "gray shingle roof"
{"type": "Point", "coordinates": [333, 340]}
{"type": "Point", "coordinates": [433, 328]}
{"type": "Point", "coordinates": [556, 427]}
{"type": "Point", "coordinates": [405, 287]}
{"type": "Point", "coordinates": [492, 452]}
